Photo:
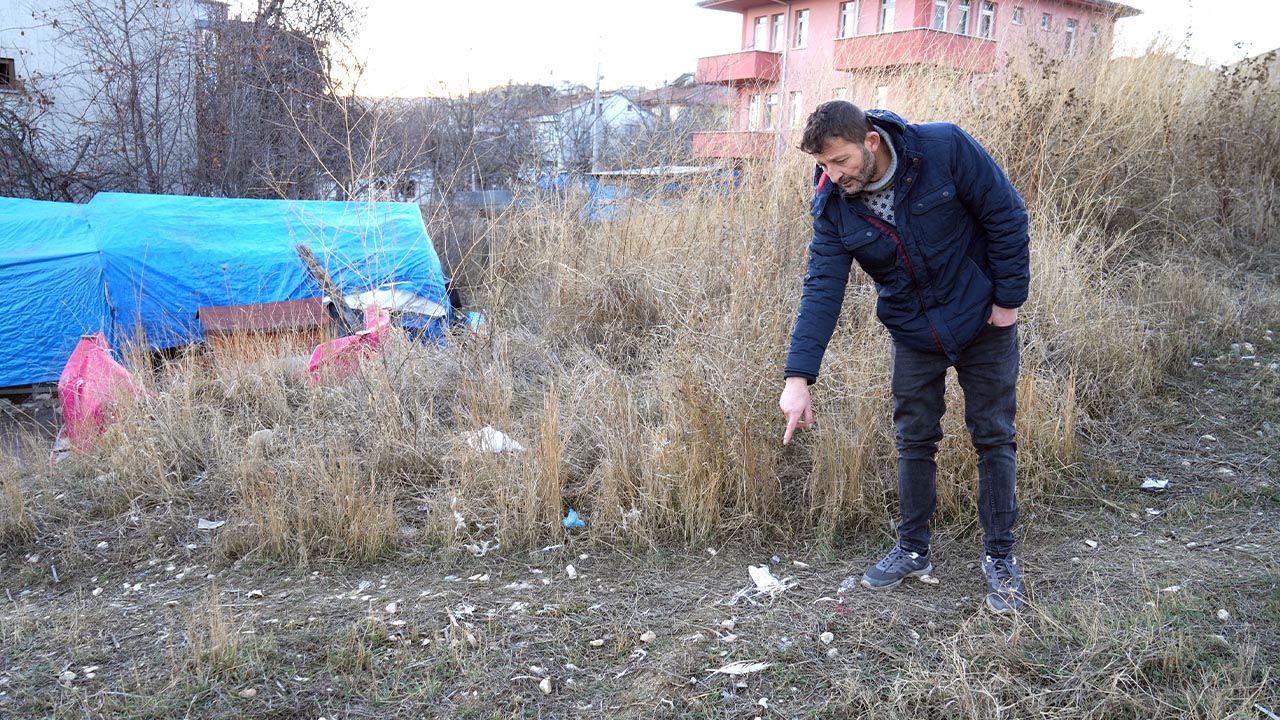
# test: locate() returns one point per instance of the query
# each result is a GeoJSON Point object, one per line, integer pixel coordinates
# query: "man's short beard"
{"type": "Point", "coordinates": [864, 176]}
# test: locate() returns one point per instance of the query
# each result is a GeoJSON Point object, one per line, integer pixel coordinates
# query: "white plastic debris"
{"type": "Point", "coordinates": [741, 668]}
{"type": "Point", "coordinates": [598, 642]}
{"type": "Point", "coordinates": [1223, 615]}
{"type": "Point", "coordinates": [928, 579]}
{"type": "Point", "coordinates": [1154, 484]}
{"type": "Point", "coordinates": [571, 572]}
{"type": "Point", "coordinates": [764, 584]}
{"type": "Point", "coordinates": [826, 638]}
{"type": "Point", "coordinates": [492, 441]}
{"type": "Point", "coordinates": [1153, 511]}
{"type": "Point", "coordinates": [1171, 589]}
{"type": "Point", "coordinates": [1093, 544]}
{"type": "Point", "coordinates": [66, 677]}
{"type": "Point", "coordinates": [203, 524]}
{"type": "Point", "coordinates": [648, 636]}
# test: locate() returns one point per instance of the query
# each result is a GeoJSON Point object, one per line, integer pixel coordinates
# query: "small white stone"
{"type": "Point", "coordinates": [545, 686]}
{"type": "Point", "coordinates": [728, 624]}
{"type": "Point", "coordinates": [1223, 615]}
{"type": "Point", "coordinates": [648, 636]}
{"type": "Point", "coordinates": [391, 608]}
{"type": "Point", "coordinates": [598, 642]}
{"type": "Point", "coordinates": [832, 652]}
{"type": "Point", "coordinates": [66, 677]}
{"type": "Point", "coordinates": [1091, 543]}
{"type": "Point", "coordinates": [103, 545]}
{"type": "Point", "coordinates": [571, 572]}
{"type": "Point", "coordinates": [1075, 561]}
{"type": "Point", "coordinates": [96, 592]}
{"type": "Point", "coordinates": [248, 693]}
{"type": "Point", "coordinates": [826, 638]}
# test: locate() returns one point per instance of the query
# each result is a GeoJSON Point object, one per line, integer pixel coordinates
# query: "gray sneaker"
{"type": "Point", "coordinates": [898, 564]}
{"type": "Point", "coordinates": [1004, 586]}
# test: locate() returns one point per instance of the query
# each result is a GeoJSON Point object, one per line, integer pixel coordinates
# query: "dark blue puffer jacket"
{"type": "Point", "coordinates": [959, 245]}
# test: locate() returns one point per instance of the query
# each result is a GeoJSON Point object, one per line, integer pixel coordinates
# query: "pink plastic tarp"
{"type": "Point", "coordinates": [89, 386]}
{"type": "Point", "coordinates": [342, 357]}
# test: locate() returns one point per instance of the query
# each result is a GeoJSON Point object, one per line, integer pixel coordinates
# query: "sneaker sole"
{"type": "Point", "coordinates": [925, 571]}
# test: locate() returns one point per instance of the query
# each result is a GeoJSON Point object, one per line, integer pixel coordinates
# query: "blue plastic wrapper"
{"type": "Point", "coordinates": [572, 520]}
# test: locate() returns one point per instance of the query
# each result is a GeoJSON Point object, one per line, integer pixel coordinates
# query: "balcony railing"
{"type": "Point", "coordinates": [749, 66]}
{"type": "Point", "coordinates": [757, 145]}
{"type": "Point", "coordinates": [920, 46]}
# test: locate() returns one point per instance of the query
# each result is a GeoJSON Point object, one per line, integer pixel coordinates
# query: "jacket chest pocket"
{"type": "Point", "coordinates": [937, 215]}
{"type": "Point", "coordinates": [875, 252]}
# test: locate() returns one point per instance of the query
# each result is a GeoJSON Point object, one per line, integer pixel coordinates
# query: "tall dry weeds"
{"type": "Point", "coordinates": [638, 359]}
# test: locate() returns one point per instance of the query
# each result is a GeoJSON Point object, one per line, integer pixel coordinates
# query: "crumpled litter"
{"type": "Point", "coordinates": [487, 439]}
{"type": "Point", "coordinates": [764, 584]}
{"type": "Point", "coordinates": [572, 520]}
{"type": "Point", "coordinates": [1154, 484]}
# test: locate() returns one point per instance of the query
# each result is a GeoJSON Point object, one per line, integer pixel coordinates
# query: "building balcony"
{"type": "Point", "coordinates": [736, 145]}
{"type": "Point", "coordinates": [920, 46]}
{"type": "Point", "coordinates": [740, 68]}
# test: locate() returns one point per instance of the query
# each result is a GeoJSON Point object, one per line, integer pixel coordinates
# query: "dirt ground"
{"type": "Point", "coordinates": [1144, 604]}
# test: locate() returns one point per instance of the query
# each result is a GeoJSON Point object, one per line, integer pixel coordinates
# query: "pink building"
{"type": "Point", "coordinates": [798, 53]}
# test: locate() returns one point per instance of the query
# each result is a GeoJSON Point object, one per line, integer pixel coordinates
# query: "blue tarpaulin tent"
{"type": "Point", "coordinates": [138, 267]}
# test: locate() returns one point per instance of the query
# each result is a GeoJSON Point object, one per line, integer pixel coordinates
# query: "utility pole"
{"type": "Point", "coordinates": [596, 112]}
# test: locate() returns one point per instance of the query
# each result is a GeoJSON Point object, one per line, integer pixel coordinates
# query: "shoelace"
{"type": "Point", "coordinates": [897, 556]}
{"type": "Point", "coordinates": [1004, 572]}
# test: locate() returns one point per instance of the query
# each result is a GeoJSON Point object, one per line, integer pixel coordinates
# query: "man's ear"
{"type": "Point", "coordinates": [872, 140]}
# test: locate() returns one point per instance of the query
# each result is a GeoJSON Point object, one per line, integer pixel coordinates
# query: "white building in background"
{"type": "Point", "coordinates": [61, 74]}
{"type": "Point", "coordinates": [587, 132]}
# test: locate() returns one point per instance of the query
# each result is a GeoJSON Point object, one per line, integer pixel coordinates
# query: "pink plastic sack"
{"type": "Point", "coordinates": [90, 384]}
{"type": "Point", "coordinates": [342, 357]}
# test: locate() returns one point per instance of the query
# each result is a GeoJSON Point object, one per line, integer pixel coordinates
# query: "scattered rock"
{"type": "Point", "coordinates": [826, 638]}
{"type": "Point", "coordinates": [67, 677]}
{"type": "Point", "coordinates": [598, 642]}
{"type": "Point", "coordinates": [648, 636]}
{"type": "Point", "coordinates": [1223, 615]}
{"type": "Point", "coordinates": [728, 624]}
{"type": "Point", "coordinates": [571, 572]}
{"type": "Point", "coordinates": [248, 693]}
{"type": "Point", "coordinates": [1092, 544]}
{"type": "Point", "coordinates": [545, 686]}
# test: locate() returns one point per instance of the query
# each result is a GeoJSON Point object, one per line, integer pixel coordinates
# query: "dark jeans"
{"type": "Point", "coordinates": [988, 372]}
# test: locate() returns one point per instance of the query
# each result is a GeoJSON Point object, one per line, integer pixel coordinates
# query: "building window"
{"type": "Point", "coordinates": [939, 14]}
{"type": "Point", "coordinates": [848, 19]}
{"type": "Point", "coordinates": [987, 20]}
{"type": "Point", "coordinates": [1071, 38]}
{"type": "Point", "coordinates": [882, 96]}
{"type": "Point", "coordinates": [753, 113]}
{"type": "Point", "coordinates": [1093, 37]}
{"type": "Point", "coordinates": [841, 94]}
{"type": "Point", "coordinates": [962, 17]}
{"type": "Point", "coordinates": [771, 111]}
{"type": "Point", "coordinates": [797, 109]}
{"type": "Point", "coordinates": [1017, 16]}
{"type": "Point", "coordinates": [8, 78]}
{"type": "Point", "coordinates": [779, 32]}
{"type": "Point", "coordinates": [762, 33]}
{"type": "Point", "coordinates": [1046, 21]}
{"type": "Point", "coordinates": [886, 15]}
{"type": "Point", "coordinates": [802, 28]}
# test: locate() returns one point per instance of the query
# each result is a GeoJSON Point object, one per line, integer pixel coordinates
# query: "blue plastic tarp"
{"type": "Point", "coordinates": [139, 267]}
{"type": "Point", "coordinates": [51, 288]}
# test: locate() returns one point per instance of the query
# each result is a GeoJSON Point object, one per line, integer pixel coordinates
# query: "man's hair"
{"type": "Point", "coordinates": [834, 119]}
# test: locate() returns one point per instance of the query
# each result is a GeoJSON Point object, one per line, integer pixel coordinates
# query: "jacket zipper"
{"type": "Point", "coordinates": [902, 250]}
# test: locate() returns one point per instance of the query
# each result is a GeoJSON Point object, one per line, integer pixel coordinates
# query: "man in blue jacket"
{"type": "Point", "coordinates": [927, 213]}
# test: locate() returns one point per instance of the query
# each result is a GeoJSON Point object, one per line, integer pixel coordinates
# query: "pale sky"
{"type": "Point", "coordinates": [415, 48]}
